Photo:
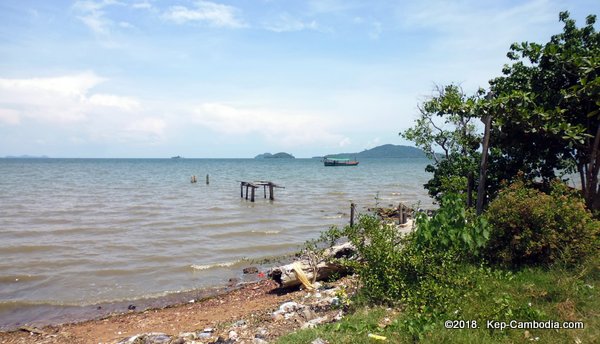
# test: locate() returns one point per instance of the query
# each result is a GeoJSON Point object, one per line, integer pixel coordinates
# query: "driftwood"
{"type": "Point", "coordinates": [286, 275]}
{"type": "Point", "coordinates": [325, 264]}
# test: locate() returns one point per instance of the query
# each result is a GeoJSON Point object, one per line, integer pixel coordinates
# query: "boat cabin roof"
{"type": "Point", "coordinates": [336, 159]}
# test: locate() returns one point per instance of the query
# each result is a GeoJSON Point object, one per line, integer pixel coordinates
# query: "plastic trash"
{"type": "Point", "coordinates": [376, 336]}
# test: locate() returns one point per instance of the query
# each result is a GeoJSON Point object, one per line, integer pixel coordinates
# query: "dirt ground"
{"type": "Point", "coordinates": [253, 303]}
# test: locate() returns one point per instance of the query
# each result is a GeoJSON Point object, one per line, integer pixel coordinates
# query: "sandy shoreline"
{"type": "Point", "coordinates": [251, 301]}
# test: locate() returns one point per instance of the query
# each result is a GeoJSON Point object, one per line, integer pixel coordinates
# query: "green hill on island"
{"type": "Point", "coordinates": [384, 151]}
{"type": "Point", "coordinates": [280, 155]}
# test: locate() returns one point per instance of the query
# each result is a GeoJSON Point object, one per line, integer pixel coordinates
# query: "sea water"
{"type": "Point", "coordinates": [78, 233]}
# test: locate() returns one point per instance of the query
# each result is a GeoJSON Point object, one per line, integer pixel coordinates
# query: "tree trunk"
{"type": "Point", "coordinates": [286, 277]}
{"type": "Point", "coordinates": [591, 189]}
{"type": "Point", "coordinates": [487, 120]}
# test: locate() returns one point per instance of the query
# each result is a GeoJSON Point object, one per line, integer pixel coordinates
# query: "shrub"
{"type": "Point", "coordinates": [531, 227]}
{"type": "Point", "coordinates": [452, 228]}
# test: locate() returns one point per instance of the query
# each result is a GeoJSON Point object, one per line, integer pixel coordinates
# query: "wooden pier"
{"type": "Point", "coordinates": [252, 186]}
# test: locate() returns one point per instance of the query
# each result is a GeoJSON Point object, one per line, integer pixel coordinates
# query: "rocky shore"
{"type": "Point", "coordinates": [255, 313]}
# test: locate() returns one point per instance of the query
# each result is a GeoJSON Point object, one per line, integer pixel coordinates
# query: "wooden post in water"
{"type": "Point", "coordinates": [247, 186]}
{"type": "Point", "coordinates": [265, 191]}
{"type": "Point", "coordinates": [242, 189]}
{"type": "Point", "coordinates": [207, 181]}
{"type": "Point", "coordinates": [271, 196]}
{"type": "Point", "coordinates": [252, 194]}
{"type": "Point", "coordinates": [352, 206]}
{"type": "Point", "coordinates": [401, 214]}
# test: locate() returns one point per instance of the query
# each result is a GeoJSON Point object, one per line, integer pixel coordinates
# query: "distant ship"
{"type": "Point", "coordinates": [176, 157]}
{"type": "Point", "coordinates": [339, 162]}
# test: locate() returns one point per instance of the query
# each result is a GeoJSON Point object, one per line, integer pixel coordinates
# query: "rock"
{"type": "Point", "coordinates": [261, 333]}
{"type": "Point", "coordinates": [250, 270]}
{"type": "Point", "coordinates": [308, 314]}
{"type": "Point", "coordinates": [188, 335]}
{"type": "Point", "coordinates": [319, 341]}
{"type": "Point", "coordinates": [178, 341]}
{"type": "Point", "coordinates": [240, 323]}
{"type": "Point", "coordinates": [324, 303]}
{"type": "Point", "coordinates": [148, 338]}
{"type": "Point", "coordinates": [220, 340]}
{"type": "Point", "coordinates": [290, 307]}
{"type": "Point", "coordinates": [259, 341]}
{"type": "Point", "coordinates": [131, 307]}
{"type": "Point", "coordinates": [204, 335]}
{"type": "Point", "coordinates": [233, 335]}
{"type": "Point", "coordinates": [314, 322]}
{"type": "Point", "coordinates": [277, 316]}
{"type": "Point", "coordinates": [335, 301]}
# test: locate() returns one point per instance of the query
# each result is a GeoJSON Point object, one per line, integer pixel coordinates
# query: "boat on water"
{"type": "Point", "coordinates": [339, 162]}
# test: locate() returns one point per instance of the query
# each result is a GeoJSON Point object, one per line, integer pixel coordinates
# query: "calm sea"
{"type": "Point", "coordinates": [82, 237]}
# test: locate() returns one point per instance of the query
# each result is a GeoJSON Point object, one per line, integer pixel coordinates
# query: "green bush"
{"type": "Point", "coordinates": [530, 227]}
{"type": "Point", "coordinates": [452, 228]}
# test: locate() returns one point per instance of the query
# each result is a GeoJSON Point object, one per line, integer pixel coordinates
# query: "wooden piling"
{"type": "Point", "coordinates": [352, 207]}
{"type": "Point", "coordinates": [207, 180]}
{"type": "Point", "coordinates": [402, 214]}
{"type": "Point", "coordinates": [255, 185]}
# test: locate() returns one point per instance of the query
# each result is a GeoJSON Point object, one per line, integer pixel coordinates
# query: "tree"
{"type": "Point", "coordinates": [545, 114]}
{"type": "Point", "coordinates": [446, 123]}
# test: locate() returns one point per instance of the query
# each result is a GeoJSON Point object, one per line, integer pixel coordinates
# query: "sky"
{"type": "Point", "coordinates": [218, 79]}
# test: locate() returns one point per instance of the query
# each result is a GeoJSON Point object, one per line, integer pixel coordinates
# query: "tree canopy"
{"type": "Point", "coordinates": [545, 117]}
{"type": "Point", "coordinates": [545, 113]}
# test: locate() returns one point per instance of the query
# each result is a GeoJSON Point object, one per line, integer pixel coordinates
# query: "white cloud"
{"type": "Point", "coordinates": [345, 142]}
{"type": "Point", "coordinates": [109, 100]}
{"type": "Point", "coordinates": [287, 23]}
{"type": "Point", "coordinates": [142, 5]}
{"type": "Point", "coordinates": [60, 99]}
{"type": "Point", "coordinates": [126, 25]}
{"type": "Point", "coordinates": [9, 116]}
{"type": "Point", "coordinates": [470, 26]}
{"type": "Point", "coordinates": [75, 85]}
{"type": "Point", "coordinates": [285, 128]}
{"type": "Point", "coordinates": [145, 129]}
{"type": "Point", "coordinates": [373, 143]}
{"type": "Point", "coordinates": [214, 14]}
{"type": "Point", "coordinates": [92, 14]}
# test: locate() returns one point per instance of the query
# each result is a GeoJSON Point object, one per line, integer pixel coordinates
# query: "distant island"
{"type": "Point", "coordinates": [280, 155]}
{"type": "Point", "coordinates": [384, 151]}
{"type": "Point", "coordinates": [27, 157]}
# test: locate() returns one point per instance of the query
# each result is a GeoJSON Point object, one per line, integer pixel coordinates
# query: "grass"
{"type": "Point", "coordinates": [538, 293]}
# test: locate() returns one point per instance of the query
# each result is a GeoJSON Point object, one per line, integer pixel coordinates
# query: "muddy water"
{"type": "Point", "coordinates": [79, 233]}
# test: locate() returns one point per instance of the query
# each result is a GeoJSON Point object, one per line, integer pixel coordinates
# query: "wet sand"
{"type": "Point", "coordinates": [255, 301]}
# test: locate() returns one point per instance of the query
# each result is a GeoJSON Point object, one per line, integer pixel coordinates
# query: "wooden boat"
{"type": "Point", "coordinates": [339, 162]}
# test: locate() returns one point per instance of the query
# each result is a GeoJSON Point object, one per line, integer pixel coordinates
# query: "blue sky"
{"type": "Point", "coordinates": [142, 78]}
